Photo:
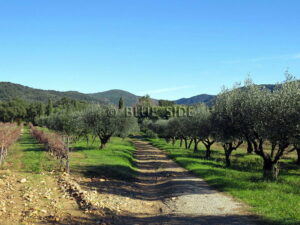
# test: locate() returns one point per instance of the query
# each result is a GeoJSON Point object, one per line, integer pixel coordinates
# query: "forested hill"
{"type": "Point", "coordinates": [209, 99]}
{"type": "Point", "coordinates": [204, 98]}
{"type": "Point", "coordinates": [10, 90]}
{"type": "Point", "coordinates": [113, 96]}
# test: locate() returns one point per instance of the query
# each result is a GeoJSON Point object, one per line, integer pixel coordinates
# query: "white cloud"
{"type": "Point", "coordinates": [297, 56]}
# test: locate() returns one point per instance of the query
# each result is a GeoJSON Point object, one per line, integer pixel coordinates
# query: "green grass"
{"type": "Point", "coordinates": [29, 156]}
{"type": "Point", "coordinates": [115, 161]}
{"type": "Point", "coordinates": [276, 202]}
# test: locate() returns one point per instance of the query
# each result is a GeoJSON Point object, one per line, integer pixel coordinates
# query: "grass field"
{"type": "Point", "coordinates": [115, 161]}
{"type": "Point", "coordinates": [28, 156]}
{"type": "Point", "coordinates": [276, 202]}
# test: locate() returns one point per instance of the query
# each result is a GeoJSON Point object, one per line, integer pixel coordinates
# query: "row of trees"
{"type": "Point", "coordinates": [101, 121]}
{"type": "Point", "coordinates": [54, 144]}
{"type": "Point", "coordinates": [18, 110]}
{"type": "Point", "coordinates": [9, 134]}
{"type": "Point", "coordinates": [267, 120]}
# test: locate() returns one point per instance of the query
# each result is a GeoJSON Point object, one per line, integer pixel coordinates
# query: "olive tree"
{"type": "Point", "coordinates": [268, 120]}
{"type": "Point", "coordinates": [179, 129]}
{"type": "Point", "coordinates": [276, 121]}
{"type": "Point", "coordinates": [127, 125]}
{"type": "Point", "coordinates": [227, 127]}
{"type": "Point", "coordinates": [160, 127]}
{"type": "Point", "coordinates": [201, 128]}
{"type": "Point", "coordinates": [106, 121]}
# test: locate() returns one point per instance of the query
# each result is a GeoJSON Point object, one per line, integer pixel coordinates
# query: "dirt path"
{"type": "Point", "coordinates": [182, 197]}
{"type": "Point", "coordinates": [165, 193]}
{"type": "Point", "coordinates": [162, 193]}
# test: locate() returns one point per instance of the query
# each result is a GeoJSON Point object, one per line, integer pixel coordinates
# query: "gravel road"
{"type": "Point", "coordinates": [184, 198]}
{"type": "Point", "coordinates": [165, 193]}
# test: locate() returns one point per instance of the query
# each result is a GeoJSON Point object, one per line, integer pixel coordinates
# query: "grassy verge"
{"type": "Point", "coordinates": [115, 161]}
{"type": "Point", "coordinates": [29, 156]}
{"type": "Point", "coordinates": [277, 202]}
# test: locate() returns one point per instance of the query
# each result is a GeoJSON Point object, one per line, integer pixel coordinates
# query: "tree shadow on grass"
{"type": "Point", "coordinates": [168, 220]}
{"type": "Point", "coordinates": [106, 171]}
{"type": "Point", "coordinates": [37, 149]}
{"type": "Point", "coordinates": [146, 185]}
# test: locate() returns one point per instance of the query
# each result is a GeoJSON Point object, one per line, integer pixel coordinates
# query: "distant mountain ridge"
{"type": "Point", "coordinates": [203, 98]}
{"type": "Point", "coordinates": [113, 96]}
{"type": "Point", "coordinates": [209, 99]}
{"type": "Point", "coordinates": [10, 90]}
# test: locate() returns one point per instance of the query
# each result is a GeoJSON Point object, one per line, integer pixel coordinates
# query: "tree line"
{"type": "Point", "coordinates": [268, 121]}
{"type": "Point", "coordinates": [96, 121]}
{"type": "Point", "coordinates": [19, 110]}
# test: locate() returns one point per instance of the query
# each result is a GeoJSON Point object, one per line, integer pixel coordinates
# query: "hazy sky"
{"type": "Point", "coordinates": [166, 48]}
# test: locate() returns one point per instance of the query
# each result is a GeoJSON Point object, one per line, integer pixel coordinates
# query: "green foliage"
{"type": "Point", "coordinates": [202, 99]}
{"type": "Point", "coordinates": [145, 101]}
{"type": "Point", "coordinates": [165, 103]}
{"type": "Point", "coordinates": [64, 122]}
{"type": "Point", "coordinates": [113, 97]}
{"type": "Point", "coordinates": [121, 103]}
{"type": "Point", "coordinates": [49, 107]}
{"type": "Point", "coordinates": [10, 91]}
{"type": "Point", "coordinates": [260, 116]}
{"type": "Point", "coordinates": [29, 156]}
{"type": "Point", "coordinates": [276, 202]}
{"type": "Point", "coordinates": [116, 161]}
{"type": "Point", "coordinates": [13, 110]}
{"type": "Point", "coordinates": [18, 110]}
{"type": "Point", "coordinates": [106, 121]}
{"type": "Point", "coordinates": [150, 134]}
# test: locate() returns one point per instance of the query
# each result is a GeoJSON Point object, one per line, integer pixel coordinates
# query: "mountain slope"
{"type": "Point", "coordinates": [10, 90]}
{"type": "Point", "coordinates": [204, 98]}
{"type": "Point", "coordinates": [209, 99]}
{"type": "Point", "coordinates": [114, 95]}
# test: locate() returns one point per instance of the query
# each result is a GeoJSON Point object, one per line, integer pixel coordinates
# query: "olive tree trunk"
{"type": "Point", "coordinates": [190, 144]}
{"type": "Point", "coordinates": [173, 141]}
{"type": "Point", "coordinates": [249, 147]}
{"type": "Point", "coordinates": [207, 143]}
{"type": "Point", "coordinates": [298, 154]}
{"type": "Point", "coordinates": [227, 158]}
{"type": "Point", "coordinates": [271, 169]}
{"type": "Point", "coordinates": [229, 148]}
{"type": "Point", "coordinates": [104, 141]}
{"type": "Point", "coordinates": [185, 143]}
{"type": "Point", "coordinates": [180, 142]}
{"type": "Point", "coordinates": [196, 142]}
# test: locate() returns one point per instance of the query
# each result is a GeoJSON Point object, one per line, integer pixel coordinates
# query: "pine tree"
{"type": "Point", "coordinates": [121, 103]}
{"type": "Point", "coordinates": [49, 108]}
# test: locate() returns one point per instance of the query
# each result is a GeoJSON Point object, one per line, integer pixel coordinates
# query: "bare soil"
{"type": "Point", "coordinates": [162, 193]}
{"type": "Point", "coordinates": [165, 193]}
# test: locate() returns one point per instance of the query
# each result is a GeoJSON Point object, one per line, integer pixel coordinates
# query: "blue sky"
{"type": "Point", "coordinates": [168, 49]}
